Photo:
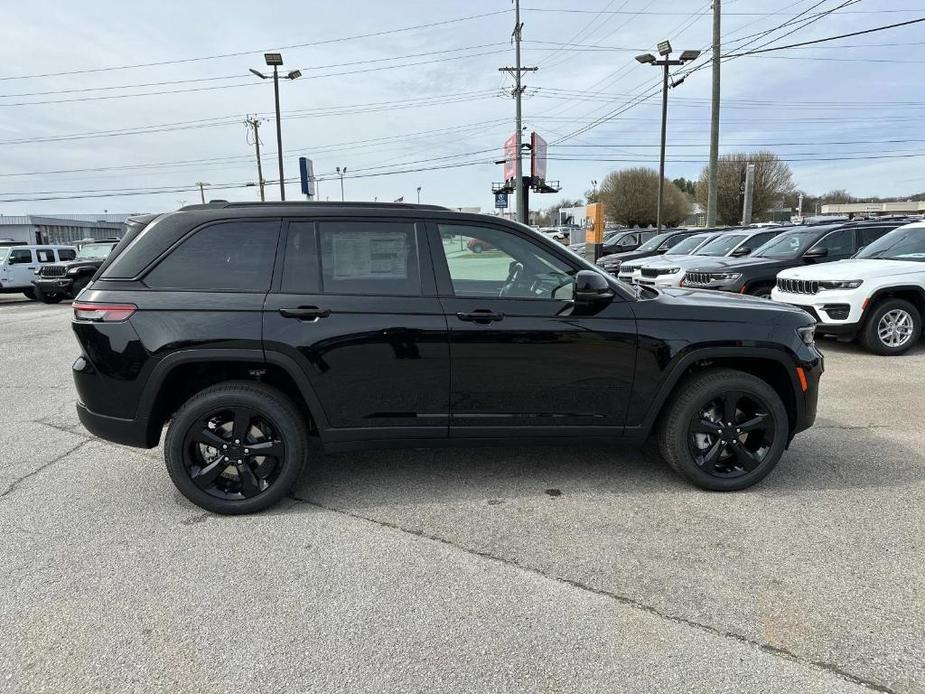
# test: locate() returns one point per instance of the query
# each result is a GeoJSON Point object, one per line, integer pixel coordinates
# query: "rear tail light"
{"type": "Point", "coordinates": [103, 313]}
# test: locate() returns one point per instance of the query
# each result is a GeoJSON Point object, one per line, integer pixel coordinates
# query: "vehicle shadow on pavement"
{"type": "Point", "coordinates": [829, 457]}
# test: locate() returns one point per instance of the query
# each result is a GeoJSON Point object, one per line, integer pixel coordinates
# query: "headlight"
{"type": "Point", "coordinates": [672, 271]}
{"type": "Point", "coordinates": [725, 276]}
{"type": "Point", "coordinates": [840, 284]}
{"type": "Point", "coordinates": [807, 334]}
{"type": "Point", "coordinates": [73, 271]}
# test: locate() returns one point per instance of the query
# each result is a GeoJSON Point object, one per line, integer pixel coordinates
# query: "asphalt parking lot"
{"type": "Point", "coordinates": [512, 569]}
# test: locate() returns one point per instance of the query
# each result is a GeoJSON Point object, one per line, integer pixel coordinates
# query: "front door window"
{"type": "Point", "coordinates": [487, 262]}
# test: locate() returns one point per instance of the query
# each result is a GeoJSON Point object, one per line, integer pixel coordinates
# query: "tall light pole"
{"type": "Point", "coordinates": [341, 172]}
{"type": "Point", "coordinates": [664, 50]}
{"type": "Point", "coordinates": [275, 60]}
{"type": "Point", "coordinates": [419, 195]}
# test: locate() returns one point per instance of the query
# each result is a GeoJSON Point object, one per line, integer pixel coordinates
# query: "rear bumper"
{"type": "Point", "coordinates": [128, 432]}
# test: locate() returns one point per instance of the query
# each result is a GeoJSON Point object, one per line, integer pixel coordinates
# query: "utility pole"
{"type": "Point", "coordinates": [749, 194]}
{"type": "Point", "coordinates": [253, 123]}
{"type": "Point", "coordinates": [520, 191]}
{"type": "Point", "coordinates": [341, 172]}
{"type": "Point", "coordinates": [202, 192]}
{"type": "Point", "coordinates": [713, 192]}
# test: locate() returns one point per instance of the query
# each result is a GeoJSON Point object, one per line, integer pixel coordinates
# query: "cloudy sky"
{"type": "Point", "coordinates": [407, 93]}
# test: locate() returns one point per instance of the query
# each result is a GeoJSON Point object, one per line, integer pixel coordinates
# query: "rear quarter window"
{"type": "Point", "coordinates": [227, 256]}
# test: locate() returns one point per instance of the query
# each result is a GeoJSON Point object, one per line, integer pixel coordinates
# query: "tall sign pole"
{"type": "Point", "coordinates": [713, 192]}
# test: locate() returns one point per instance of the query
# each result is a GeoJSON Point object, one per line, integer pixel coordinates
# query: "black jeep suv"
{"type": "Point", "coordinates": [56, 281]}
{"type": "Point", "coordinates": [757, 273]}
{"type": "Point", "coordinates": [253, 327]}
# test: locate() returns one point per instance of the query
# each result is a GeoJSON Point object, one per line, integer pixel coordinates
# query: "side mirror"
{"type": "Point", "coordinates": [741, 251]}
{"type": "Point", "coordinates": [592, 289]}
{"type": "Point", "coordinates": [815, 253]}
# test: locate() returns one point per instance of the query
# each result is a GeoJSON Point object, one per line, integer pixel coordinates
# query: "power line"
{"type": "Point", "coordinates": [322, 42]}
{"type": "Point", "coordinates": [828, 38]}
{"type": "Point", "coordinates": [252, 83]}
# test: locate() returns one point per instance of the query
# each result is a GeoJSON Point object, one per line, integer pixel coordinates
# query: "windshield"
{"type": "Point", "coordinates": [95, 251]}
{"type": "Point", "coordinates": [900, 244]}
{"type": "Point", "coordinates": [653, 243]}
{"type": "Point", "coordinates": [787, 245]}
{"type": "Point", "coordinates": [721, 246]}
{"type": "Point", "coordinates": [688, 245]}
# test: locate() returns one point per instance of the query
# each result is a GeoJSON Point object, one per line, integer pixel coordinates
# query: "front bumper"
{"type": "Point", "coordinates": [662, 281]}
{"type": "Point", "coordinates": [806, 415]}
{"type": "Point", "coordinates": [59, 285]}
{"type": "Point", "coordinates": [828, 308]}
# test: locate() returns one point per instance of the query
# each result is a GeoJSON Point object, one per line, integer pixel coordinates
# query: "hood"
{"type": "Point", "coordinates": [709, 264]}
{"type": "Point", "coordinates": [857, 269]}
{"type": "Point", "coordinates": [624, 257]}
{"type": "Point", "coordinates": [706, 299]}
{"type": "Point", "coordinates": [682, 261]}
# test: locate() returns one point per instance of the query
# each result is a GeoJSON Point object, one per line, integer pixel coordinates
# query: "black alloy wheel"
{"type": "Point", "coordinates": [236, 447]}
{"type": "Point", "coordinates": [234, 453]}
{"type": "Point", "coordinates": [723, 429]}
{"type": "Point", "coordinates": [731, 435]}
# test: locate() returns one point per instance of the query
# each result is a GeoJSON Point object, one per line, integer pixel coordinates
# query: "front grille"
{"type": "Point", "coordinates": [52, 271]}
{"type": "Point", "coordinates": [653, 271]}
{"type": "Point", "coordinates": [697, 278]}
{"type": "Point", "coordinates": [797, 286]}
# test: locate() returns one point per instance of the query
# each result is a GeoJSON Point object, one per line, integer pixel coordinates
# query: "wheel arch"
{"type": "Point", "coordinates": [180, 375]}
{"type": "Point", "coordinates": [770, 365]}
{"type": "Point", "coordinates": [912, 293]}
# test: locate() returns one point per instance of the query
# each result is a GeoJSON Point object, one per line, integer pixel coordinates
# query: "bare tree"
{"type": "Point", "coordinates": [773, 181]}
{"type": "Point", "coordinates": [630, 197]}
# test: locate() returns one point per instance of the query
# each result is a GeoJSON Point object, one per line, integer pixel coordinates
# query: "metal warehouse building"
{"type": "Point", "coordinates": [64, 229]}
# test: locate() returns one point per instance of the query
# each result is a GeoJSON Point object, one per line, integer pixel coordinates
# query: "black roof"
{"type": "Point", "coordinates": [349, 204]}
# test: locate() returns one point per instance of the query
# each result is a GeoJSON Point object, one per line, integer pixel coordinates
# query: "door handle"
{"type": "Point", "coordinates": [480, 315]}
{"type": "Point", "coordinates": [306, 313]}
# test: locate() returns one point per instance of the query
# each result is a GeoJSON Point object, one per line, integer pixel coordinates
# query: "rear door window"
{"type": "Point", "coordinates": [373, 257]}
{"type": "Point", "coordinates": [868, 235]}
{"type": "Point", "coordinates": [300, 266]}
{"type": "Point", "coordinates": [228, 256]}
{"type": "Point", "coordinates": [45, 255]}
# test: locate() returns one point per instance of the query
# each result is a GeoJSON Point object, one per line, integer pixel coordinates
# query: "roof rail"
{"type": "Point", "coordinates": [220, 204]}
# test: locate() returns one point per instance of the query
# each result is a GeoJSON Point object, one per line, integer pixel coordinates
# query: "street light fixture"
{"type": "Point", "coordinates": [275, 60]}
{"type": "Point", "coordinates": [664, 50]}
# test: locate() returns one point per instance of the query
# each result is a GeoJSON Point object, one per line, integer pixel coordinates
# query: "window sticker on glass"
{"type": "Point", "coordinates": [365, 255]}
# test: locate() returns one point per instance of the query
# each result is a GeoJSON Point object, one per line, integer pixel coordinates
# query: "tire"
{"type": "Point", "coordinates": [79, 284]}
{"type": "Point", "coordinates": [272, 415]}
{"type": "Point", "coordinates": [756, 400]}
{"type": "Point", "coordinates": [761, 291]}
{"type": "Point", "coordinates": [891, 345]}
{"type": "Point", "coordinates": [46, 298]}
{"type": "Point", "coordinates": [29, 293]}
{"type": "Point", "coordinates": [477, 248]}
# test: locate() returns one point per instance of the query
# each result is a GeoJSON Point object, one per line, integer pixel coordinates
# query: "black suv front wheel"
{"type": "Point", "coordinates": [237, 447]}
{"type": "Point", "coordinates": [725, 430]}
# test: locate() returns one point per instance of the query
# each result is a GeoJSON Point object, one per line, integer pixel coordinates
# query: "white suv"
{"type": "Point", "coordinates": [878, 296]}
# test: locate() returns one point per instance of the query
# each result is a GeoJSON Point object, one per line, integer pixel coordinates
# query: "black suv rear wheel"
{"type": "Point", "coordinates": [725, 430]}
{"type": "Point", "coordinates": [237, 447]}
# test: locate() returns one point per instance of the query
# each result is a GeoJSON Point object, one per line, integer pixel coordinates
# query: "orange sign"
{"type": "Point", "coordinates": [594, 223]}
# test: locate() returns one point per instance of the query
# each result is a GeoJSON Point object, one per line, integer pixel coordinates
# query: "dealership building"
{"type": "Point", "coordinates": [875, 208]}
{"type": "Point", "coordinates": [61, 228]}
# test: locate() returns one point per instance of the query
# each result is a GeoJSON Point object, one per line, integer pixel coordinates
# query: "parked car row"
{"type": "Point", "coordinates": [48, 272]}
{"type": "Point", "coordinates": [872, 286]}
